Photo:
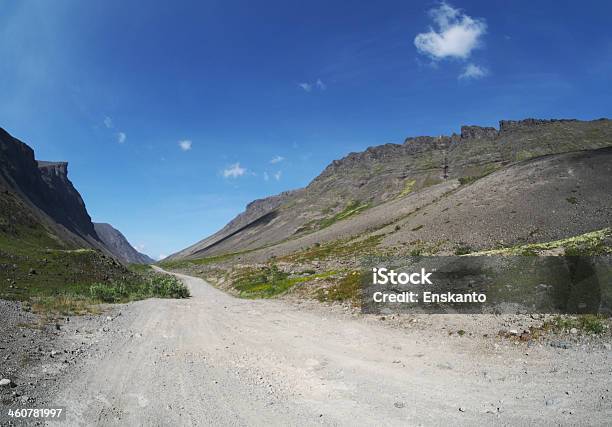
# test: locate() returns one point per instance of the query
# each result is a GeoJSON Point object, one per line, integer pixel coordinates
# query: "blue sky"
{"type": "Point", "coordinates": [173, 115]}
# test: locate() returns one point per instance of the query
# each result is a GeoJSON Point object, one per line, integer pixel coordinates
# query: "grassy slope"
{"type": "Point", "coordinates": [38, 267]}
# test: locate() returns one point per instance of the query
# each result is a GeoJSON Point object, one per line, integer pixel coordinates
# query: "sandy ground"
{"type": "Point", "coordinates": [217, 360]}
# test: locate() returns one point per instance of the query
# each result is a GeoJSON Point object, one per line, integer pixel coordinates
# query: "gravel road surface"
{"type": "Point", "coordinates": [214, 359]}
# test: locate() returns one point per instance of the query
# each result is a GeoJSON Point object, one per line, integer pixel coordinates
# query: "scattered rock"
{"type": "Point", "coordinates": [5, 382]}
{"type": "Point", "coordinates": [561, 344]}
{"type": "Point", "coordinates": [399, 405]}
{"type": "Point", "coordinates": [573, 331]}
{"type": "Point", "coordinates": [461, 409]}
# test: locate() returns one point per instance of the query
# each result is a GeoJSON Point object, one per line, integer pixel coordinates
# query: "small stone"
{"type": "Point", "coordinates": [513, 332]}
{"type": "Point", "coordinates": [607, 346]}
{"type": "Point", "coordinates": [461, 409]}
{"type": "Point", "coordinates": [5, 382]}
{"type": "Point", "coordinates": [561, 344]}
{"type": "Point", "coordinates": [399, 405]}
{"type": "Point", "coordinates": [573, 331]}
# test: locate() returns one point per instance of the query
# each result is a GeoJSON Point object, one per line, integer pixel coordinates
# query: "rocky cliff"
{"type": "Point", "coordinates": [44, 188]}
{"type": "Point", "coordinates": [39, 203]}
{"type": "Point", "coordinates": [116, 242]}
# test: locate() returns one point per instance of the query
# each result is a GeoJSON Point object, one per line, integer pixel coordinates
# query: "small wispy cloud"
{"type": "Point", "coordinates": [108, 122]}
{"type": "Point", "coordinates": [306, 86]}
{"type": "Point", "coordinates": [266, 177]}
{"type": "Point", "coordinates": [185, 144]}
{"type": "Point", "coordinates": [473, 71]}
{"type": "Point", "coordinates": [456, 36]}
{"type": "Point", "coordinates": [121, 137]}
{"type": "Point", "coordinates": [234, 171]}
{"type": "Point", "coordinates": [277, 175]}
{"type": "Point", "coordinates": [277, 159]}
{"type": "Point", "coordinates": [309, 86]}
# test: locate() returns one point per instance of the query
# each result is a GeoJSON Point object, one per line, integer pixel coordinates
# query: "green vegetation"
{"type": "Point", "coordinates": [408, 187]}
{"type": "Point", "coordinates": [82, 297]}
{"type": "Point", "coordinates": [335, 249]}
{"type": "Point", "coordinates": [487, 170]}
{"type": "Point", "coordinates": [588, 244]}
{"type": "Point", "coordinates": [572, 200]}
{"type": "Point", "coordinates": [140, 268]}
{"type": "Point", "coordinates": [170, 265]}
{"type": "Point", "coordinates": [353, 208]}
{"type": "Point", "coordinates": [268, 282]}
{"type": "Point", "coordinates": [347, 289]}
{"type": "Point", "coordinates": [462, 249]}
{"type": "Point", "coordinates": [154, 285]}
{"type": "Point", "coordinates": [587, 323]}
{"type": "Point", "coordinates": [49, 276]}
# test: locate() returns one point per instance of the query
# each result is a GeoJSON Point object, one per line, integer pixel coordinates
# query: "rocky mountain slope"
{"type": "Point", "coordinates": [44, 190]}
{"type": "Point", "coordinates": [48, 242]}
{"type": "Point", "coordinates": [364, 192]}
{"type": "Point", "coordinates": [116, 242]}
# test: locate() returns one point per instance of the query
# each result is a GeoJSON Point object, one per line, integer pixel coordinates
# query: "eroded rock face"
{"type": "Point", "coordinates": [513, 125]}
{"type": "Point", "coordinates": [63, 201]}
{"type": "Point", "coordinates": [45, 185]}
{"type": "Point", "coordinates": [478, 132]}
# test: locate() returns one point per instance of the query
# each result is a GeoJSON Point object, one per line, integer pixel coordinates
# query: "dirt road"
{"type": "Point", "coordinates": [217, 360]}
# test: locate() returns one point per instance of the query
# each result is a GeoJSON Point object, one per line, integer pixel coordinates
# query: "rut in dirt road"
{"type": "Point", "coordinates": [217, 360]}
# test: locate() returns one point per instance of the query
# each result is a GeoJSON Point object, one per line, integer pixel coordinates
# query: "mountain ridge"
{"type": "Point", "coordinates": [382, 173]}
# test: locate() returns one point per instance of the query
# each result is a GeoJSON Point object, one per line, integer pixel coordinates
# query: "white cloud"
{"type": "Point", "coordinates": [473, 71]}
{"type": "Point", "coordinates": [457, 34]}
{"type": "Point", "coordinates": [266, 177]}
{"type": "Point", "coordinates": [140, 247]}
{"type": "Point", "coordinates": [121, 137]}
{"type": "Point", "coordinates": [306, 86]}
{"type": "Point", "coordinates": [234, 171]}
{"type": "Point", "coordinates": [185, 144]}
{"type": "Point", "coordinates": [108, 122]}
{"type": "Point", "coordinates": [277, 175]}
{"type": "Point", "coordinates": [161, 256]}
{"type": "Point", "coordinates": [309, 86]}
{"type": "Point", "coordinates": [277, 159]}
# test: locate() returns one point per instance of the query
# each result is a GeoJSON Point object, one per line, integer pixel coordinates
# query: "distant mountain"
{"type": "Point", "coordinates": [389, 184]}
{"type": "Point", "coordinates": [119, 246]}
